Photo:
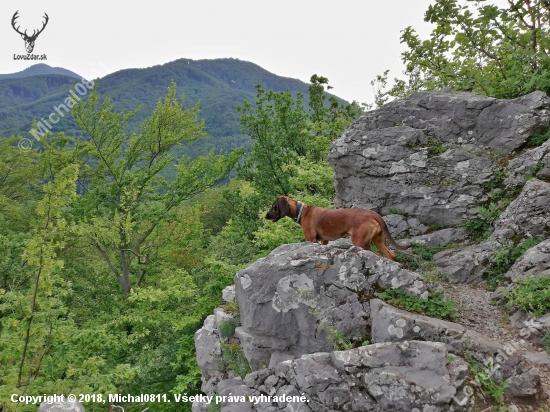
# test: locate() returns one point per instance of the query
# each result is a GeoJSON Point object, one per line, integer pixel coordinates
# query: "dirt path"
{"type": "Point", "coordinates": [475, 312]}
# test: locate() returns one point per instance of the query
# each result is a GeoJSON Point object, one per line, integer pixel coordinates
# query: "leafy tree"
{"type": "Point", "coordinates": [125, 198]}
{"type": "Point", "coordinates": [278, 125]}
{"type": "Point", "coordinates": [500, 52]}
{"type": "Point", "coordinates": [283, 132]}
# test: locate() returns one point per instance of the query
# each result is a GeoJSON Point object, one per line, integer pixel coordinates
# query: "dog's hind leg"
{"type": "Point", "coordinates": [380, 241]}
{"type": "Point", "coordinates": [362, 239]}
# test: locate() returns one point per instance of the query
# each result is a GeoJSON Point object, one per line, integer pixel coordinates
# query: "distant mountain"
{"type": "Point", "coordinates": [219, 84]}
{"type": "Point", "coordinates": [38, 69]}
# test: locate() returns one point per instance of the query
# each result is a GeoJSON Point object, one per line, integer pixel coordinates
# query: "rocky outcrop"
{"type": "Point", "coordinates": [390, 324]}
{"type": "Point", "coordinates": [535, 261]}
{"type": "Point", "coordinates": [532, 163]}
{"type": "Point", "coordinates": [294, 299]}
{"type": "Point", "coordinates": [432, 154]}
{"type": "Point", "coordinates": [427, 163]}
{"type": "Point", "coordinates": [294, 302]}
{"type": "Point", "coordinates": [526, 217]}
{"type": "Point", "coordinates": [378, 378]}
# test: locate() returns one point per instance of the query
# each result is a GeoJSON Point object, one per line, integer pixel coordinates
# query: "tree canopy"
{"type": "Point", "coordinates": [480, 47]}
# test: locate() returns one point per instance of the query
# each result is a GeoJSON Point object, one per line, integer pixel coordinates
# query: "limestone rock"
{"type": "Point", "coordinates": [66, 406]}
{"type": "Point", "coordinates": [441, 237]}
{"type": "Point", "coordinates": [378, 378]}
{"type": "Point", "coordinates": [390, 324]}
{"type": "Point", "coordinates": [294, 299]}
{"type": "Point", "coordinates": [535, 261]}
{"type": "Point", "coordinates": [527, 216]}
{"type": "Point", "coordinates": [531, 163]}
{"type": "Point", "coordinates": [228, 294]}
{"type": "Point", "coordinates": [429, 154]}
{"type": "Point", "coordinates": [207, 344]}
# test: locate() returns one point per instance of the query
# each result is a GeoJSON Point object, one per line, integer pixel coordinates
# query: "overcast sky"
{"type": "Point", "coordinates": [350, 42]}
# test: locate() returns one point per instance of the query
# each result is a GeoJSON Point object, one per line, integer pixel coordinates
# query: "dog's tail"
{"type": "Point", "coordinates": [387, 234]}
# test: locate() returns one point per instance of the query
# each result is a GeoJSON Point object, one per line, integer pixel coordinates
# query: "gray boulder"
{"type": "Point", "coordinates": [228, 294]}
{"type": "Point", "coordinates": [429, 154]}
{"type": "Point", "coordinates": [531, 163]}
{"type": "Point", "coordinates": [66, 406]}
{"type": "Point", "coordinates": [527, 216]}
{"type": "Point", "coordinates": [296, 299]}
{"type": "Point", "coordinates": [207, 343]}
{"type": "Point", "coordinates": [535, 261]}
{"type": "Point", "coordinates": [390, 324]}
{"type": "Point", "coordinates": [380, 377]}
{"type": "Point", "coordinates": [441, 237]}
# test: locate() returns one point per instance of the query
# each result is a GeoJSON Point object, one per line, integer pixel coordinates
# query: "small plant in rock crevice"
{"type": "Point", "coordinates": [486, 381]}
{"type": "Point", "coordinates": [227, 328]}
{"type": "Point", "coordinates": [538, 139]}
{"type": "Point", "coordinates": [435, 306]}
{"type": "Point", "coordinates": [531, 295]}
{"type": "Point", "coordinates": [420, 260]}
{"type": "Point", "coordinates": [480, 228]}
{"type": "Point", "coordinates": [234, 359]}
{"type": "Point", "coordinates": [503, 259]}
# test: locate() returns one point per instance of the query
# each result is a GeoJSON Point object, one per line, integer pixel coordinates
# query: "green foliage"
{"type": "Point", "coordinates": [435, 306]}
{"type": "Point", "coordinates": [486, 381]}
{"type": "Point", "coordinates": [421, 260]}
{"type": "Point", "coordinates": [19, 178]}
{"type": "Point", "coordinates": [127, 199]}
{"type": "Point", "coordinates": [233, 358]}
{"type": "Point", "coordinates": [538, 139]}
{"type": "Point", "coordinates": [338, 340]}
{"type": "Point", "coordinates": [480, 228]}
{"type": "Point", "coordinates": [534, 170]}
{"type": "Point", "coordinates": [532, 295]}
{"type": "Point", "coordinates": [270, 235]}
{"type": "Point", "coordinates": [232, 308]}
{"type": "Point", "coordinates": [500, 52]}
{"type": "Point", "coordinates": [227, 328]}
{"type": "Point", "coordinates": [394, 211]}
{"type": "Point", "coordinates": [497, 178]}
{"type": "Point", "coordinates": [434, 147]}
{"type": "Point", "coordinates": [285, 136]}
{"type": "Point", "coordinates": [503, 259]}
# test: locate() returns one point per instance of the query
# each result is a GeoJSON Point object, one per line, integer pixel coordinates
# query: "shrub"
{"type": "Point", "coordinates": [538, 139]}
{"type": "Point", "coordinates": [486, 381]}
{"type": "Point", "coordinates": [504, 259]}
{"type": "Point", "coordinates": [480, 228]}
{"type": "Point", "coordinates": [532, 295]}
{"type": "Point", "coordinates": [233, 358]}
{"type": "Point", "coordinates": [435, 306]}
{"type": "Point", "coordinates": [227, 328]}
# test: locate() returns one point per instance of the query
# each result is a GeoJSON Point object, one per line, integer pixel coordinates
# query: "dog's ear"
{"type": "Point", "coordinates": [282, 206]}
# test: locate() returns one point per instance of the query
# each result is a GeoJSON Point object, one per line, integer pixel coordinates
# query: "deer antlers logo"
{"type": "Point", "coordinates": [29, 40]}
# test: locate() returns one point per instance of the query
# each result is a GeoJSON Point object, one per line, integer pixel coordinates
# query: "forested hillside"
{"type": "Point", "coordinates": [108, 268]}
{"type": "Point", "coordinates": [220, 85]}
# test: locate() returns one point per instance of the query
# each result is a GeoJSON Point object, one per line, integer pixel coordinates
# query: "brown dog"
{"type": "Point", "coordinates": [321, 224]}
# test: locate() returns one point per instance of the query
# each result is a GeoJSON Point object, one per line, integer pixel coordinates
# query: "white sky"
{"type": "Point", "coordinates": [348, 41]}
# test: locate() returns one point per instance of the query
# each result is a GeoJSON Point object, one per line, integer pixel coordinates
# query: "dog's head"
{"type": "Point", "coordinates": [279, 209]}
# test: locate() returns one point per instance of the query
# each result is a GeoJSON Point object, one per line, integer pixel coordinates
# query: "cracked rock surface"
{"type": "Point", "coordinates": [527, 216]}
{"type": "Point", "coordinates": [405, 376]}
{"type": "Point", "coordinates": [429, 155]}
{"type": "Point", "coordinates": [292, 299]}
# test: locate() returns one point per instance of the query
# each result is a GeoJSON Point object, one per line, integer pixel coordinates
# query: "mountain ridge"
{"type": "Point", "coordinates": [219, 84]}
{"type": "Point", "coordinates": [37, 70]}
